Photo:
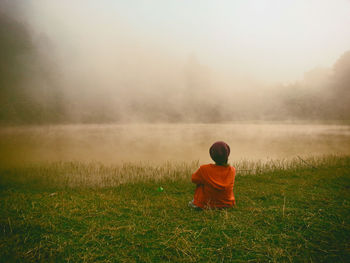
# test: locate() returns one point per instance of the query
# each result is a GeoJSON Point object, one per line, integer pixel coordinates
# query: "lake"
{"type": "Point", "coordinates": [157, 143]}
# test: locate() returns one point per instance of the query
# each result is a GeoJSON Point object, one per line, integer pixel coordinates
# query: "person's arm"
{"type": "Point", "coordinates": [197, 177]}
{"type": "Point", "coordinates": [234, 175]}
{"type": "Point", "coordinates": [233, 183]}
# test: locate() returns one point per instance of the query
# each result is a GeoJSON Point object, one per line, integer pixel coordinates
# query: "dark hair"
{"type": "Point", "coordinates": [219, 152]}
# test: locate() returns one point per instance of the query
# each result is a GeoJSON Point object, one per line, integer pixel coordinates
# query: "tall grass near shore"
{"type": "Point", "coordinates": [77, 174]}
{"type": "Point", "coordinates": [287, 211]}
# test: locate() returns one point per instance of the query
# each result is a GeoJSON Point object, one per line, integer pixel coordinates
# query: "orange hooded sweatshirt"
{"type": "Point", "coordinates": [214, 186]}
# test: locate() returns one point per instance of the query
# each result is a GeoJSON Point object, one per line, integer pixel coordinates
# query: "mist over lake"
{"type": "Point", "coordinates": [157, 143]}
{"type": "Point", "coordinates": [238, 62]}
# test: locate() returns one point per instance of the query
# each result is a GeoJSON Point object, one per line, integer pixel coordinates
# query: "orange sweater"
{"type": "Point", "coordinates": [214, 186]}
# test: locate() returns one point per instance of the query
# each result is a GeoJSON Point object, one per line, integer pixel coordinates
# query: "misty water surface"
{"type": "Point", "coordinates": [168, 142]}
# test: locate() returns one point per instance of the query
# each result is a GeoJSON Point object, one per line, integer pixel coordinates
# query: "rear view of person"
{"type": "Point", "coordinates": [214, 181]}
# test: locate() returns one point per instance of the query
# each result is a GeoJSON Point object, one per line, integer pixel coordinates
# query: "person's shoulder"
{"type": "Point", "coordinates": [205, 166]}
{"type": "Point", "coordinates": [229, 168]}
{"type": "Point", "coordinates": [212, 166]}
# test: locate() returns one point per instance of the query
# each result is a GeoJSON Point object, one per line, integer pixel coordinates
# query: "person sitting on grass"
{"type": "Point", "coordinates": [214, 181]}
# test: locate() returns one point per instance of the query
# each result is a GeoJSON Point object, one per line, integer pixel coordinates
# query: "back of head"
{"type": "Point", "coordinates": [219, 152]}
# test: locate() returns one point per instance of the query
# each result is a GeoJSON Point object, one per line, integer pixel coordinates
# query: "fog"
{"type": "Point", "coordinates": [183, 61]}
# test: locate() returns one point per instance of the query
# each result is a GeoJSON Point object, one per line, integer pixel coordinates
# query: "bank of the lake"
{"type": "Point", "coordinates": [73, 212]}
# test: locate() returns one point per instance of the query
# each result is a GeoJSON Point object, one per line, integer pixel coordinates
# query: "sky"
{"type": "Point", "coordinates": [269, 41]}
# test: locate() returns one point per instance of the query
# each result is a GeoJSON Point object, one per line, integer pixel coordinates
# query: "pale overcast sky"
{"type": "Point", "coordinates": [270, 40]}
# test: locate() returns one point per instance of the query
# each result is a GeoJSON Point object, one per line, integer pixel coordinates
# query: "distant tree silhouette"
{"type": "Point", "coordinates": [27, 90]}
{"type": "Point", "coordinates": [341, 86]}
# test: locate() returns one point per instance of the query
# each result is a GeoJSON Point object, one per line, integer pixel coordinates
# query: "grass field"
{"type": "Point", "coordinates": [287, 211]}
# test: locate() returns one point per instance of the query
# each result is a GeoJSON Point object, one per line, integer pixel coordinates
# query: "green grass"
{"type": "Point", "coordinates": [286, 211]}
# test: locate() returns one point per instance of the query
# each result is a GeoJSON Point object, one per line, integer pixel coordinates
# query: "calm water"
{"type": "Point", "coordinates": [173, 142]}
